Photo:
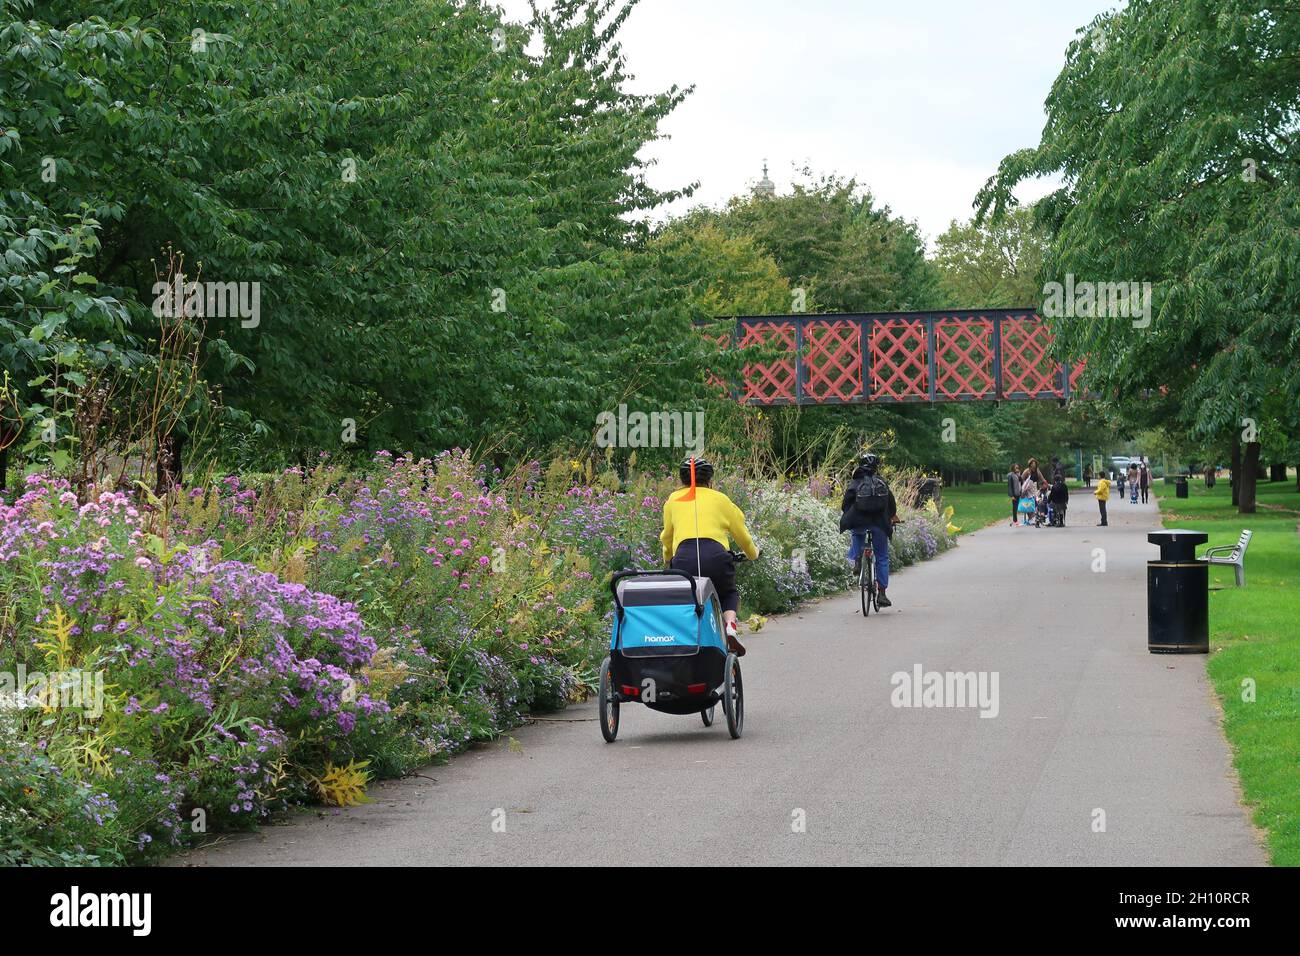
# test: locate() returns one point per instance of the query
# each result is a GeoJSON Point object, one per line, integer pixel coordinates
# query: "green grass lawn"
{"type": "Point", "coordinates": [1255, 635]}
{"type": "Point", "coordinates": [978, 506]}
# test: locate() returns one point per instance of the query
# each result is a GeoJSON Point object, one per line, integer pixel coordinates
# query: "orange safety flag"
{"type": "Point", "coordinates": [690, 495]}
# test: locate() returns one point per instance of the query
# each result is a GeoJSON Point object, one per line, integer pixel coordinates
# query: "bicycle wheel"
{"type": "Point", "coordinates": [608, 705]}
{"type": "Point", "coordinates": [733, 698]}
{"type": "Point", "coordinates": [867, 582]}
{"type": "Point", "coordinates": [873, 585]}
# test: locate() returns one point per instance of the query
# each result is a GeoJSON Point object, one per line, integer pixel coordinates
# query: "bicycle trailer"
{"type": "Point", "coordinates": [667, 650]}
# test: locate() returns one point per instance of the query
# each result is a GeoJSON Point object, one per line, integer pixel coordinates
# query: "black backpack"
{"type": "Point", "coordinates": [871, 497]}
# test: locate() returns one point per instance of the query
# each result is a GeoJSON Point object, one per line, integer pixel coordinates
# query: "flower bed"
{"type": "Point", "coordinates": [272, 641]}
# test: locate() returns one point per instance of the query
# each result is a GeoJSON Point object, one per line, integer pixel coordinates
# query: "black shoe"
{"type": "Point", "coordinates": [882, 600]}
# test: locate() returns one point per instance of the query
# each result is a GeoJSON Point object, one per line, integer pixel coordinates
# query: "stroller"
{"type": "Point", "coordinates": [666, 650]}
{"type": "Point", "coordinates": [1040, 512]}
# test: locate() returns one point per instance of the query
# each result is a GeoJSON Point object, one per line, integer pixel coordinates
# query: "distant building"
{"type": "Point", "coordinates": [765, 186]}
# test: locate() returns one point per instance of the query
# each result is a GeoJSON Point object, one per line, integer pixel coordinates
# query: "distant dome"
{"type": "Point", "coordinates": [765, 186]}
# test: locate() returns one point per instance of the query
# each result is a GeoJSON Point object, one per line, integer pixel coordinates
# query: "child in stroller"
{"type": "Point", "coordinates": [1040, 512]}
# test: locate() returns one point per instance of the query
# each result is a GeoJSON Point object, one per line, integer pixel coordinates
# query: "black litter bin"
{"type": "Point", "coordinates": [1178, 595]}
{"type": "Point", "coordinates": [1180, 487]}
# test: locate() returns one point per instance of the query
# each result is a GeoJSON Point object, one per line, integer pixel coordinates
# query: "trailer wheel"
{"type": "Point", "coordinates": [733, 698]}
{"type": "Point", "coordinates": [608, 705]}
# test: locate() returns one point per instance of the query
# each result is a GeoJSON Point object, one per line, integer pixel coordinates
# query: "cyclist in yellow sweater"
{"type": "Point", "coordinates": [707, 519]}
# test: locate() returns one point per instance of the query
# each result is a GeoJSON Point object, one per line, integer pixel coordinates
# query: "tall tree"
{"type": "Point", "coordinates": [1174, 126]}
{"type": "Point", "coordinates": [432, 202]}
{"type": "Point", "coordinates": [991, 264]}
{"type": "Point", "coordinates": [830, 238]}
{"type": "Point", "coordinates": [735, 275]}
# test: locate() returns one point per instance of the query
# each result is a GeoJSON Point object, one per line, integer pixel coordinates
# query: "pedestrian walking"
{"type": "Point", "coordinates": [1133, 483]}
{"type": "Point", "coordinates": [1144, 481]}
{"type": "Point", "coordinates": [1013, 490]}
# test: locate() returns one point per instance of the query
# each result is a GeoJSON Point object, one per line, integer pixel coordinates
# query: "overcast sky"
{"type": "Point", "coordinates": [918, 100]}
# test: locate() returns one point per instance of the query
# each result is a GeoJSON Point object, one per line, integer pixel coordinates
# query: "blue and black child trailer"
{"type": "Point", "coordinates": [667, 651]}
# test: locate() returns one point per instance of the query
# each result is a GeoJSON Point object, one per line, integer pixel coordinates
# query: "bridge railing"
{"type": "Point", "coordinates": [942, 356]}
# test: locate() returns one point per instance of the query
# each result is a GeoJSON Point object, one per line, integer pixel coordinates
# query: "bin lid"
{"type": "Point", "coordinates": [1178, 536]}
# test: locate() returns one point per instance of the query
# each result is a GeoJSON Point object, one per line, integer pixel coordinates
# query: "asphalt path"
{"type": "Point", "coordinates": [1094, 751]}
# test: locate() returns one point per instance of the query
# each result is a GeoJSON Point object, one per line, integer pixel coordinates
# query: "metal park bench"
{"type": "Point", "coordinates": [1233, 554]}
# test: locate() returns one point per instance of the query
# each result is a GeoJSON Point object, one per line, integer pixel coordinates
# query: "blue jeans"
{"type": "Point", "coordinates": [879, 544]}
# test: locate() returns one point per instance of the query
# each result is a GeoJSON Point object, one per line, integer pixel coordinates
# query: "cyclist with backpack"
{"type": "Point", "coordinates": [869, 508]}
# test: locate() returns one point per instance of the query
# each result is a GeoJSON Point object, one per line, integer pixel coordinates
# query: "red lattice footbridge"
{"type": "Point", "coordinates": [847, 358]}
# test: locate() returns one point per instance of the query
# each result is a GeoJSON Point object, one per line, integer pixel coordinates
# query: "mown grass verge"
{"type": "Point", "coordinates": [1255, 647]}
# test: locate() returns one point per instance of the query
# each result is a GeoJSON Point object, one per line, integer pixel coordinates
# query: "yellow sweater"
{"type": "Point", "coordinates": [1103, 490]}
{"type": "Point", "coordinates": [719, 519]}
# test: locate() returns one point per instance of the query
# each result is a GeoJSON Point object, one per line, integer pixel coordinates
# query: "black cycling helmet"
{"type": "Point", "coordinates": [703, 470]}
{"type": "Point", "coordinates": [869, 462]}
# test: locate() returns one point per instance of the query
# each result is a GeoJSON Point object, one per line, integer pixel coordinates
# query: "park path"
{"type": "Point", "coordinates": [1087, 721]}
